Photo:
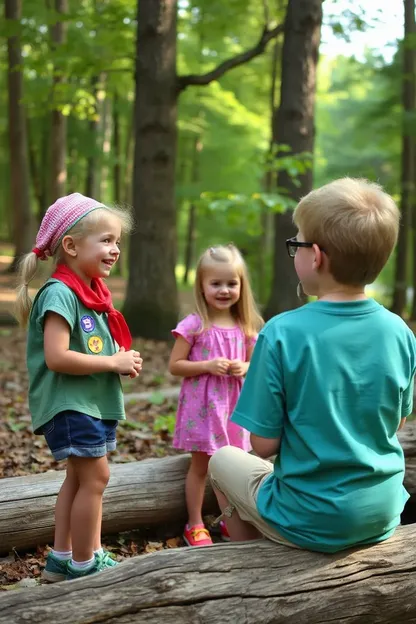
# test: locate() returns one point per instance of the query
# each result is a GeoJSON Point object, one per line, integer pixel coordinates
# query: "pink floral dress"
{"type": "Point", "coordinates": [206, 402]}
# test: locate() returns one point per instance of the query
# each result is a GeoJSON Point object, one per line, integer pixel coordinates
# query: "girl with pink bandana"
{"type": "Point", "coordinates": [78, 345]}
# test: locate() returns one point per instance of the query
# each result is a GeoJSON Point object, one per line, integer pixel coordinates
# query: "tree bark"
{"type": "Point", "coordinates": [18, 148]}
{"type": "Point", "coordinates": [294, 127]}
{"type": "Point", "coordinates": [258, 582]}
{"type": "Point", "coordinates": [58, 120]}
{"type": "Point", "coordinates": [140, 494]}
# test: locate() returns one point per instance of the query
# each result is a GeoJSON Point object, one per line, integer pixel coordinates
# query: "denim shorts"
{"type": "Point", "coordinates": [74, 433]}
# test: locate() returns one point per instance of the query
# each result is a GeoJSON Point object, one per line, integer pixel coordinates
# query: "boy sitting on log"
{"type": "Point", "coordinates": [329, 386]}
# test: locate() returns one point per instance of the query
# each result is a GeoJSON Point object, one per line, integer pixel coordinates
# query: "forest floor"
{"type": "Point", "coordinates": [147, 432]}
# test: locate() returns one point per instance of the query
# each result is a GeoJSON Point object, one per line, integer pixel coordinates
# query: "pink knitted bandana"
{"type": "Point", "coordinates": [58, 219]}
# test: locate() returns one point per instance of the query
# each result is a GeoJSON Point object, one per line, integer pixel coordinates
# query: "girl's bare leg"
{"type": "Point", "coordinates": [93, 475]}
{"type": "Point", "coordinates": [195, 487]}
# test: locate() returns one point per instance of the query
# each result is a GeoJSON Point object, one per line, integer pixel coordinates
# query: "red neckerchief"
{"type": "Point", "coordinates": [97, 298]}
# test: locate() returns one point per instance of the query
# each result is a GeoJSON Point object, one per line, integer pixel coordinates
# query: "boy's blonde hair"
{"type": "Point", "coordinates": [245, 310]}
{"type": "Point", "coordinates": [29, 263]}
{"type": "Point", "coordinates": [355, 223]}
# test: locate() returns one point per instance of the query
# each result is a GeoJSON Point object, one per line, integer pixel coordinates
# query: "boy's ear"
{"type": "Point", "coordinates": [68, 245]}
{"type": "Point", "coordinates": [317, 263]}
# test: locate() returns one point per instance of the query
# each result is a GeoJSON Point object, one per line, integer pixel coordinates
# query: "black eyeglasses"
{"type": "Point", "coordinates": [292, 246]}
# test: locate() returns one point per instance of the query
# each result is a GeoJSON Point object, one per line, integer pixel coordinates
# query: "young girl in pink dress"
{"type": "Point", "coordinates": [212, 352]}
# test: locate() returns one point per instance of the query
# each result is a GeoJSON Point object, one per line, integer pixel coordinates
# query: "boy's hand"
{"type": "Point", "coordinates": [127, 362]}
{"type": "Point", "coordinates": [219, 366]}
{"type": "Point", "coordinates": [238, 368]}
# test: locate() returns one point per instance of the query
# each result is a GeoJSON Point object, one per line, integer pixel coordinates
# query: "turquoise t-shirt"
{"type": "Point", "coordinates": [99, 395]}
{"type": "Point", "coordinates": [332, 380]}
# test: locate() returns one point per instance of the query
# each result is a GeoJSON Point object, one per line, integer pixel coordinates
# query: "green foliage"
{"type": "Point", "coordinates": [225, 167]}
{"type": "Point", "coordinates": [165, 422]}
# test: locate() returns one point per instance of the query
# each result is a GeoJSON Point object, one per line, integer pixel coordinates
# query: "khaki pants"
{"type": "Point", "coordinates": [238, 476]}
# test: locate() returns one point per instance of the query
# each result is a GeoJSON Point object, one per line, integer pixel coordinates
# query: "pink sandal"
{"type": "Point", "coordinates": [197, 535]}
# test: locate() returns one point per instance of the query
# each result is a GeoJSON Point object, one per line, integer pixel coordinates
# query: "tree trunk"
{"type": "Point", "coordinates": [38, 166]}
{"type": "Point", "coordinates": [129, 157]}
{"type": "Point", "coordinates": [116, 150]}
{"type": "Point", "coordinates": [408, 203]}
{"type": "Point", "coordinates": [140, 494]}
{"type": "Point", "coordinates": [107, 130]}
{"type": "Point", "coordinates": [58, 120]}
{"type": "Point", "coordinates": [151, 305]}
{"type": "Point", "coordinates": [18, 149]}
{"type": "Point", "coordinates": [91, 186]}
{"type": "Point", "coordinates": [266, 217]}
{"type": "Point", "coordinates": [294, 126]}
{"type": "Point", "coordinates": [191, 225]}
{"type": "Point", "coordinates": [258, 582]}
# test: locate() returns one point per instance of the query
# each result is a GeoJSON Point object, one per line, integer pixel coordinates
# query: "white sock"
{"type": "Point", "coordinates": [82, 565]}
{"type": "Point", "coordinates": [62, 555]}
{"type": "Point", "coordinates": [100, 551]}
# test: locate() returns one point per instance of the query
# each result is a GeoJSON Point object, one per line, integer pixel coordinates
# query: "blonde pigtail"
{"type": "Point", "coordinates": [27, 271]}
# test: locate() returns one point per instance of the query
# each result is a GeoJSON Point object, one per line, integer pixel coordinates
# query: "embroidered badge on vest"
{"type": "Point", "coordinates": [95, 344]}
{"type": "Point", "coordinates": [87, 323]}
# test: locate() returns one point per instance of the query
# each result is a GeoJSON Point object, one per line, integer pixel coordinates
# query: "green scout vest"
{"type": "Point", "coordinates": [98, 395]}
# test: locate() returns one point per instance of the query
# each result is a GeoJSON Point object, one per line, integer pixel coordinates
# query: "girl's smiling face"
{"type": "Point", "coordinates": [95, 254]}
{"type": "Point", "coordinates": [221, 286]}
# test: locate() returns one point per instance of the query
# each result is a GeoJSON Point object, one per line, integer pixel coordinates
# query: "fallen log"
{"type": "Point", "coordinates": [258, 582]}
{"type": "Point", "coordinates": [407, 439]}
{"type": "Point", "coordinates": [148, 493]}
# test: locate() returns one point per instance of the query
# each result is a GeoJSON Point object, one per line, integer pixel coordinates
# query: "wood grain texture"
{"type": "Point", "coordinates": [256, 582]}
{"type": "Point", "coordinates": [140, 494]}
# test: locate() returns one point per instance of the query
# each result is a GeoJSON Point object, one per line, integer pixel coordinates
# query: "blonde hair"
{"type": "Point", "coordinates": [245, 310]}
{"type": "Point", "coordinates": [355, 223]}
{"type": "Point", "coordinates": [29, 263]}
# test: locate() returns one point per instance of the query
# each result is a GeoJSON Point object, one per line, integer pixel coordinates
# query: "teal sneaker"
{"type": "Point", "coordinates": [55, 570]}
{"type": "Point", "coordinates": [108, 559]}
{"type": "Point", "coordinates": [102, 562]}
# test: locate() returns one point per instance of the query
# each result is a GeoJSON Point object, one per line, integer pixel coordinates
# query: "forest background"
{"type": "Point", "coordinates": [210, 119]}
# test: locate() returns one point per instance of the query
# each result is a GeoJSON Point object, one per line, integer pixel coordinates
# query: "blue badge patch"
{"type": "Point", "coordinates": [87, 323]}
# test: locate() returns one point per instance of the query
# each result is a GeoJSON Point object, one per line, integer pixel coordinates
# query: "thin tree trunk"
{"type": "Point", "coordinates": [58, 120]}
{"type": "Point", "coordinates": [107, 130]}
{"type": "Point", "coordinates": [191, 225]}
{"type": "Point", "coordinates": [38, 165]}
{"type": "Point", "coordinates": [294, 126]}
{"type": "Point", "coordinates": [19, 161]}
{"type": "Point", "coordinates": [116, 150]}
{"type": "Point", "coordinates": [407, 165]}
{"type": "Point", "coordinates": [266, 218]}
{"type": "Point", "coordinates": [151, 305]}
{"type": "Point", "coordinates": [129, 156]}
{"type": "Point", "coordinates": [91, 186]}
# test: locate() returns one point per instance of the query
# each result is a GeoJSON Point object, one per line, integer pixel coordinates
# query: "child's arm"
{"type": "Point", "coordinates": [180, 366]}
{"type": "Point", "coordinates": [60, 359]}
{"type": "Point", "coordinates": [264, 447]}
{"type": "Point", "coordinates": [402, 423]}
